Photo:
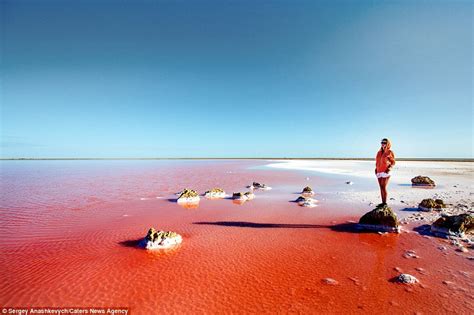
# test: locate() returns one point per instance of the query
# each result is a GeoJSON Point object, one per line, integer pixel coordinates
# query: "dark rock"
{"type": "Point", "coordinates": [381, 219]}
{"type": "Point", "coordinates": [243, 196]}
{"type": "Point", "coordinates": [307, 190]}
{"type": "Point", "coordinates": [256, 185]}
{"type": "Point", "coordinates": [456, 225]}
{"type": "Point", "coordinates": [422, 181]}
{"type": "Point", "coordinates": [300, 199]}
{"type": "Point", "coordinates": [431, 204]}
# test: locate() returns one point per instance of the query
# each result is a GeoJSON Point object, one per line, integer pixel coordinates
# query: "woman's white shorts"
{"type": "Point", "coordinates": [382, 175]}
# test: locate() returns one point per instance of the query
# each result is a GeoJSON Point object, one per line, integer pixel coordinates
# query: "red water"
{"type": "Point", "coordinates": [69, 231]}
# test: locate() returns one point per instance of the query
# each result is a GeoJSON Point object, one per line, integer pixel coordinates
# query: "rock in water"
{"type": "Point", "coordinates": [381, 219]}
{"type": "Point", "coordinates": [215, 193]}
{"type": "Point", "coordinates": [307, 191]}
{"type": "Point", "coordinates": [457, 225]}
{"type": "Point", "coordinates": [161, 239]}
{"type": "Point", "coordinates": [431, 204]}
{"type": "Point", "coordinates": [256, 185]}
{"type": "Point", "coordinates": [405, 278]}
{"type": "Point", "coordinates": [243, 196]}
{"type": "Point", "coordinates": [307, 202]}
{"type": "Point", "coordinates": [422, 181]}
{"type": "Point", "coordinates": [188, 196]}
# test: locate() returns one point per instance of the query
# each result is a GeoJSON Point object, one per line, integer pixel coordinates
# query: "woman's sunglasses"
{"type": "Point", "coordinates": [383, 142]}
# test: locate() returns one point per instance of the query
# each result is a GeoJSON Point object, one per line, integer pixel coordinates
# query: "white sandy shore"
{"type": "Point", "coordinates": [455, 182]}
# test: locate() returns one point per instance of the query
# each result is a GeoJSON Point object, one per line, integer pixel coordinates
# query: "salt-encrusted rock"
{"type": "Point", "coordinates": [456, 225]}
{"type": "Point", "coordinates": [161, 239]}
{"type": "Point", "coordinates": [330, 281]}
{"type": "Point", "coordinates": [243, 196]}
{"type": "Point", "coordinates": [405, 278]}
{"type": "Point", "coordinates": [307, 192]}
{"type": "Point", "coordinates": [410, 254]}
{"type": "Point", "coordinates": [300, 200]}
{"type": "Point", "coordinates": [306, 202]}
{"type": "Point", "coordinates": [188, 196]}
{"type": "Point", "coordinates": [422, 181]}
{"type": "Point", "coordinates": [256, 185]}
{"type": "Point", "coordinates": [381, 219]}
{"type": "Point", "coordinates": [215, 193]}
{"type": "Point", "coordinates": [431, 204]}
{"type": "Point", "coordinates": [309, 203]}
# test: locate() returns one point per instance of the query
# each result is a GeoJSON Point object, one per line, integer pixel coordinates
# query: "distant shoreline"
{"type": "Point", "coordinates": [239, 158]}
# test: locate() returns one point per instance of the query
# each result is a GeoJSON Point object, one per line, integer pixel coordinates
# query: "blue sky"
{"type": "Point", "coordinates": [236, 78]}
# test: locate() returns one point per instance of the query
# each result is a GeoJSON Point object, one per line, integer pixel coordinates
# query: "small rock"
{"type": "Point", "coordinates": [420, 270]}
{"type": "Point", "coordinates": [406, 278]}
{"type": "Point", "coordinates": [410, 254]}
{"type": "Point", "coordinates": [256, 185]}
{"type": "Point", "coordinates": [330, 281]}
{"type": "Point", "coordinates": [307, 191]}
{"type": "Point", "coordinates": [422, 181]}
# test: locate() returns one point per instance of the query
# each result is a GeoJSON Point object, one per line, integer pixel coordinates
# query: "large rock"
{"type": "Point", "coordinates": [161, 239]}
{"type": "Point", "coordinates": [188, 196]}
{"type": "Point", "coordinates": [457, 225]}
{"type": "Point", "coordinates": [431, 204]}
{"type": "Point", "coordinates": [381, 219]}
{"type": "Point", "coordinates": [422, 181]}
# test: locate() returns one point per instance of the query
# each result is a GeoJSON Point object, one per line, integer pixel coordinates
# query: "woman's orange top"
{"type": "Point", "coordinates": [384, 159]}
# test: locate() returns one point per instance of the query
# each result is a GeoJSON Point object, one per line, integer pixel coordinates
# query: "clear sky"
{"type": "Point", "coordinates": [236, 78]}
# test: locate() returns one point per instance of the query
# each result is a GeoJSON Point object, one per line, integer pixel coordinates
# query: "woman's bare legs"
{"type": "Point", "coordinates": [383, 182]}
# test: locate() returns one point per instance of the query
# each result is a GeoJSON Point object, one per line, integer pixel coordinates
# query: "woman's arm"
{"type": "Point", "coordinates": [391, 159]}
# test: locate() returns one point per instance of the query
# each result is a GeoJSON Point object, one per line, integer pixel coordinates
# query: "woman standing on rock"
{"type": "Point", "coordinates": [384, 162]}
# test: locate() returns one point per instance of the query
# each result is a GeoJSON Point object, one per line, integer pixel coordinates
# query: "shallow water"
{"type": "Point", "coordinates": [69, 231]}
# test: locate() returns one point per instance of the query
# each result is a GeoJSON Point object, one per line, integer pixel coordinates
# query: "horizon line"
{"type": "Point", "coordinates": [232, 158]}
